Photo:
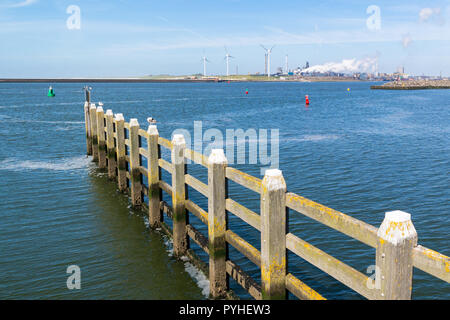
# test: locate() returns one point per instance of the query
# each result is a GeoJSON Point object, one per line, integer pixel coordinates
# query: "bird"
{"type": "Point", "coordinates": [151, 120]}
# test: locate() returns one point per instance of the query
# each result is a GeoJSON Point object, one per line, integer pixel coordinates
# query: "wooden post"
{"type": "Point", "coordinates": [180, 243]}
{"type": "Point", "coordinates": [94, 139]}
{"type": "Point", "coordinates": [111, 149]}
{"type": "Point", "coordinates": [396, 239]}
{"type": "Point", "coordinates": [217, 223]}
{"type": "Point", "coordinates": [101, 137]}
{"type": "Point", "coordinates": [87, 122]}
{"type": "Point", "coordinates": [153, 176]}
{"type": "Point", "coordinates": [273, 236]}
{"type": "Point", "coordinates": [135, 173]}
{"type": "Point", "coordinates": [120, 152]}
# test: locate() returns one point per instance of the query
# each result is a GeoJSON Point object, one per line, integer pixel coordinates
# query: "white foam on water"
{"type": "Point", "coordinates": [313, 138]}
{"type": "Point", "coordinates": [66, 164]}
{"type": "Point", "coordinates": [193, 271]}
{"type": "Point", "coordinates": [199, 277]}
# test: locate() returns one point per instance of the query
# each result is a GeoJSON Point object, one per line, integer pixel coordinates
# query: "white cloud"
{"type": "Point", "coordinates": [24, 3]}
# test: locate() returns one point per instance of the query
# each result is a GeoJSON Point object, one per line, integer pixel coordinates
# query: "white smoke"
{"type": "Point", "coordinates": [345, 66]}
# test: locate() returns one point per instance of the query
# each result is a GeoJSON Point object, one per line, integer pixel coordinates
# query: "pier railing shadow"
{"type": "Point", "coordinates": [132, 157]}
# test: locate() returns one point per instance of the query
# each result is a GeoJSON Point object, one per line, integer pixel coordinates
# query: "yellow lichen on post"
{"type": "Point", "coordinates": [397, 238]}
{"type": "Point", "coordinates": [120, 152]}
{"type": "Point", "coordinates": [93, 116]}
{"type": "Point", "coordinates": [180, 241]}
{"type": "Point", "coordinates": [273, 236]}
{"type": "Point", "coordinates": [217, 223]}
{"type": "Point", "coordinates": [111, 149]}
{"type": "Point", "coordinates": [135, 173]}
{"type": "Point", "coordinates": [154, 192]}
{"type": "Point", "coordinates": [101, 143]}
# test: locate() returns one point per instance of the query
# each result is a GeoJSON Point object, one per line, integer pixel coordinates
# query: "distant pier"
{"type": "Point", "coordinates": [414, 85]}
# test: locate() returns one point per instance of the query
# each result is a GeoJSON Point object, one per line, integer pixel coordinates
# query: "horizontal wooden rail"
{"type": "Point", "coordinates": [245, 214]}
{"type": "Point", "coordinates": [143, 133]}
{"type": "Point", "coordinates": [196, 157]}
{"type": "Point", "coordinates": [143, 171]}
{"type": "Point", "coordinates": [196, 184]}
{"type": "Point", "coordinates": [165, 143]}
{"type": "Point", "coordinates": [197, 211]}
{"type": "Point", "coordinates": [143, 152]}
{"type": "Point", "coordinates": [253, 254]}
{"type": "Point", "coordinates": [242, 278]}
{"type": "Point", "coordinates": [432, 262]}
{"type": "Point", "coordinates": [345, 274]}
{"type": "Point", "coordinates": [198, 238]}
{"type": "Point", "coordinates": [165, 165]}
{"type": "Point", "coordinates": [334, 219]}
{"type": "Point", "coordinates": [126, 125]}
{"type": "Point", "coordinates": [244, 179]}
{"type": "Point", "coordinates": [127, 142]}
{"type": "Point", "coordinates": [301, 290]}
{"type": "Point", "coordinates": [166, 187]}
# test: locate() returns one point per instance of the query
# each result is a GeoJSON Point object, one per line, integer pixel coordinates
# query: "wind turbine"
{"type": "Point", "coordinates": [227, 58]}
{"type": "Point", "coordinates": [268, 51]}
{"type": "Point", "coordinates": [204, 65]}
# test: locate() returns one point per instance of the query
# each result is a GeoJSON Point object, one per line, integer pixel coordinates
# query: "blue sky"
{"type": "Point", "coordinates": [136, 38]}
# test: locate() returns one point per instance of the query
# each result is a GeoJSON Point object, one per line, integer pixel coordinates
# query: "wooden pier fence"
{"type": "Point", "coordinates": [108, 137]}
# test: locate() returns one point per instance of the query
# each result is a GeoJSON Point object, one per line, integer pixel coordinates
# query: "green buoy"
{"type": "Point", "coordinates": [51, 93]}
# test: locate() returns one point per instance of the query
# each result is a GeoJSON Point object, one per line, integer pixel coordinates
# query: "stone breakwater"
{"type": "Point", "coordinates": [414, 85]}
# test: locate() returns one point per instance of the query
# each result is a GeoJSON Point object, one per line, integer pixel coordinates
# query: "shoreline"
{"type": "Point", "coordinates": [175, 80]}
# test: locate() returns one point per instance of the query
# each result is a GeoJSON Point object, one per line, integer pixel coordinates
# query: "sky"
{"type": "Point", "coordinates": [128, 38]}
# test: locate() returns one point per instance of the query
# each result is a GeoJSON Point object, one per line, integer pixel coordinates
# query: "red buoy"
{"type": "Point", "coordinates": [246, 91]}
{"type": "Point", "coordinates": [307, 100]}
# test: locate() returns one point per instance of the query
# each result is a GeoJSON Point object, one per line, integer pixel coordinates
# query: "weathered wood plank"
{"type": "Point", "coordinates": [244, 179]}
{"type": "Point", "coordinates": [396, 239]}
{"type": "Point", "coordinates": [165, 143]}
{"type": "Point", "coordinates": [197, 184]}
{"type": "Point", "coordinates": [196, 157]}
{"type": "Point", "coordinates": [197, 211]}
{"type": "Point", "coordinates": [165, 165]}
{"type": "Point", "coordinates": [243, 279]}
{"type": "Point", "coordinates": [334, 219]}
{"type": "Point", "coordinates": [253, 254]}
{"type": "Point", "coordinates": [432, 262]}
{"type": "Point", "coordinates": [154, 194]}
{"type": "Point", "coordinates": [342, 272]}
{"type": "Point", "coordinates": [217, 220]}
{"type": "Point", "coordinates": [198, 238]}
{"type": "Point", "coordinates": [110, 147]}
{"type": "Point", "coordinates": [180, 240]}
{"type": "Point", "coordinates": [135, 164]}
{"type": "Point", "coordinates": [273, 236]}
{"type": "Point", "coordinates": [300, 289]}
{"type": "Point", "coordinates": [243, 213]}
{"type": "Point", "coordinates": [120, 152]}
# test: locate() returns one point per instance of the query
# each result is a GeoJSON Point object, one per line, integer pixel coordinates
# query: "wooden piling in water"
{"type": "Point", "coordinates": [180, 243]}
{"type": "Point", "coordinates": [94, 139]}
{"type": "Point", "coordinates": [101, 143]}
{"type": "Point", "coordinates": [217, 223]}
{"type": "Point", "coordinates": [153, 176]}
{"type": "Point", "coordinates": [273, 236]}
{"type": "Point", "coordinates": [87, 122]}
{"type": "Point", "coordinates": [397, 238]}
{"type": "Point", "coordinates": [110, 146]}
{"type": "Point", "coordinates": [120, 152]}
{"type": "Point", "coordinates": [135, 173]}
